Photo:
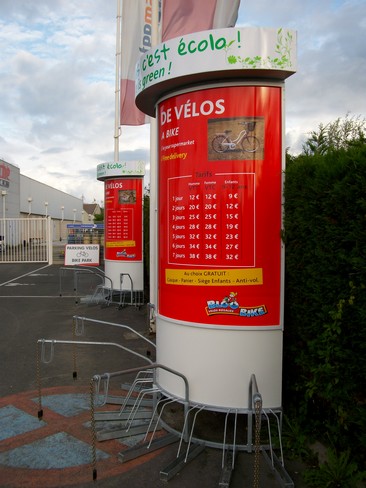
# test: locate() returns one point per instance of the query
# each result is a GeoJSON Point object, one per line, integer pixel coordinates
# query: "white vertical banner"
{"type": "Point", "coordinates": [136, 39]}
{"type": "Point", "coordinates": [226, 13]}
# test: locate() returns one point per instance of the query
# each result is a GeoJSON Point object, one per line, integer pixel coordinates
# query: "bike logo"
{"type": "Point", "coordinates": [82, 254]}
{"type": "Point", "coordinates": [229, 305]}
{"type": "Point", "coordinates": [123, 254]}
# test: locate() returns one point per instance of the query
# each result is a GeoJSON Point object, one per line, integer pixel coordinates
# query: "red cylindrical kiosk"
{"type": "Point", "coordinates": [219, 99]}
{"type": "Point", "coordinates": [123, 229]}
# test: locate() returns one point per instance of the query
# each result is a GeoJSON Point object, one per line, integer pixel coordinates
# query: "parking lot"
{"type": "Point", "coordinates": [39, 302]}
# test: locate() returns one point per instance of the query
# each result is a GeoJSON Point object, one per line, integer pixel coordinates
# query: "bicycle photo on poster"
{"type": "Point", "coordinates": [236, 138]}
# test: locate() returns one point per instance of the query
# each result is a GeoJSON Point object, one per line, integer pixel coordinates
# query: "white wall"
{"type": "Point", "coordinates": [56, 199]}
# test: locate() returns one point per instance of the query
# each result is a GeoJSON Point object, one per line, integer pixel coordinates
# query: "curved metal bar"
{"type": "Point", "coordinates": [234, 439]}
{"type": "Point", "coordinates": [130, 391]}
{"type": "Point", "coordinates": [192, 429]}
{"type": "Point", "coordinates": [79, 330]}
{"type": "Point", "coordinates": [224, 440]}
{"type": "Point", "coordinates": [138, 403]}
{"type": "Point", "coordinates": [269, 437]}
{"type": "Point", "coordinates": [254, 392]}
{"type": "Point", "coordinates": [166, 402]}
{"type": "Point", "coordinates": [117, 325]}
{"type": "Point", "coordinates": [43, 342]}
{"type": "Point", "coordinates": [185, 423]}
{"type": "Point", "coordinates": [279, 434]}
{"type": "Point", "coordinates": [96, 381]}
{"type": "Point", "coordinates": [105, 389]}
{"type": "Point", "coordinates": [151, 313]}
{"type": "Point", "coordinates": [88, 343]}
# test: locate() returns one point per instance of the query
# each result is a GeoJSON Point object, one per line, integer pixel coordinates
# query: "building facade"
{"type": "Point", "coordinates": [22, 196]}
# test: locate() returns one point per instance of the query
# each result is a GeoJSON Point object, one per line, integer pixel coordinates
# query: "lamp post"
{"type": "Point", "coordinates": [62, 219]}
{"type": "Point", "coordinates": [3, 196]}
{"type": "Point", "coordinates": [30, 200]}
{"type": "Point", "coordinates": [74, 210]}
{"type": "Point", "coordinates": [46, 207]}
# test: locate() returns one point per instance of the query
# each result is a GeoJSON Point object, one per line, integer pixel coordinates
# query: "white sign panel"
{"type": "Point", "coordinates": [82, 255]}
{"type": "Point", "coordinates": [120, 168]}
{"type": "Point", "coordinates": [234, 52]}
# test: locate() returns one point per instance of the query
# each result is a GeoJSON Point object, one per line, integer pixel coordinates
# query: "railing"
{"type": "Point", "coordinates": [26, 240]}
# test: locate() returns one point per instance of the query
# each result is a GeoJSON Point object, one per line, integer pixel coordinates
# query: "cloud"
{"type": "Point", "coordinates": [57, 69]}
{"type": "Point", "coordinates": [329, 82]}
{"type": "Point", "coordinates": [55, 150]}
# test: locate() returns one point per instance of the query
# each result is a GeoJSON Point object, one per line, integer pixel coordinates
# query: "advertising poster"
{"type": "Point", "coordinates": [220, 206]}
{"type": "Point", "coordinates": [123, 219]}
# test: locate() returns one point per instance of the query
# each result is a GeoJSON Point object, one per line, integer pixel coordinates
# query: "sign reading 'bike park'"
{"type": "Point", "coordinates": [220, 180]}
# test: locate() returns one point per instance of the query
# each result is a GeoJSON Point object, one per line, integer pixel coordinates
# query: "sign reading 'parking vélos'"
{"type": "Point", "coordinates": [82, 255]}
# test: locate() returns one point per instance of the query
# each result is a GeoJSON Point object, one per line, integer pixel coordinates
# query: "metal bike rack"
{"type": "Point", "coordinates": [101, 294]}
{"type": "Point", "coordinates": [129, 296]}
{"type": "Point", "coordinates": [159, 402]}
{"type": "Point", "coordinates": [231, 449]}
{"type": "Point", "coordinates": [142, 408]}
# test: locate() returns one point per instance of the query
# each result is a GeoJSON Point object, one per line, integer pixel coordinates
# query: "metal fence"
{"type": "Point", "coordinates": [26, 240]}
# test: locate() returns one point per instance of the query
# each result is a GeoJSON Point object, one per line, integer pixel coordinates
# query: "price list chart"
{"type": "Point", "coordinates": [123, 218]}
{"type": "Point", "coordinates": [120, 225]}
{"type": "Point", "coordinates": [211, 221]}
{"type": "Point", "coordinates": [220, 213]}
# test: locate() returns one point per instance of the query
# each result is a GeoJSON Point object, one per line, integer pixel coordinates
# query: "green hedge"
{"type": "Point", "coordinates": [325, 295]}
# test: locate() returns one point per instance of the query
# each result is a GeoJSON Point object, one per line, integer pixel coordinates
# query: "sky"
{"type": "Point", "coordinates": [57, 82]}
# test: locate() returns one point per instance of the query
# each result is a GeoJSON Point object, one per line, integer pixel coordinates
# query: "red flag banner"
{"type": "Point", "coordinates": [182, 17]}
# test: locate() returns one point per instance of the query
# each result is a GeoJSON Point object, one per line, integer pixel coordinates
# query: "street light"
{"type": "Point", "coordinates": [46, 205]}
{"type": "Point", "coordinates": [74, 210]}
{"type": "Point", "coordinates": [2, 238]}
{"type": "Point", "coordinates": [30, 200]}
{"type": "Point", "coordinates": [3, 195]}
{"type": "Point", "coordinates": [62, 219]}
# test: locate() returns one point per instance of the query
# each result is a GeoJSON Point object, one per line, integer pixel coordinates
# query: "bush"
{"type": "Point", "coordinates": [338, 472]}
{"type": "Point", "coordinates": [325, 299]}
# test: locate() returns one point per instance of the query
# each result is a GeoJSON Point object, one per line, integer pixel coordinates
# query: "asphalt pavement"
{"type": "Point", "coordinates": [43, 368]}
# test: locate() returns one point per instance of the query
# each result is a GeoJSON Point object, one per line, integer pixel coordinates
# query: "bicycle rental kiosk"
{"type": "Point", "coordinates": [218, 97]}
{"type": "Point", "coordinates": [123, 247]}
